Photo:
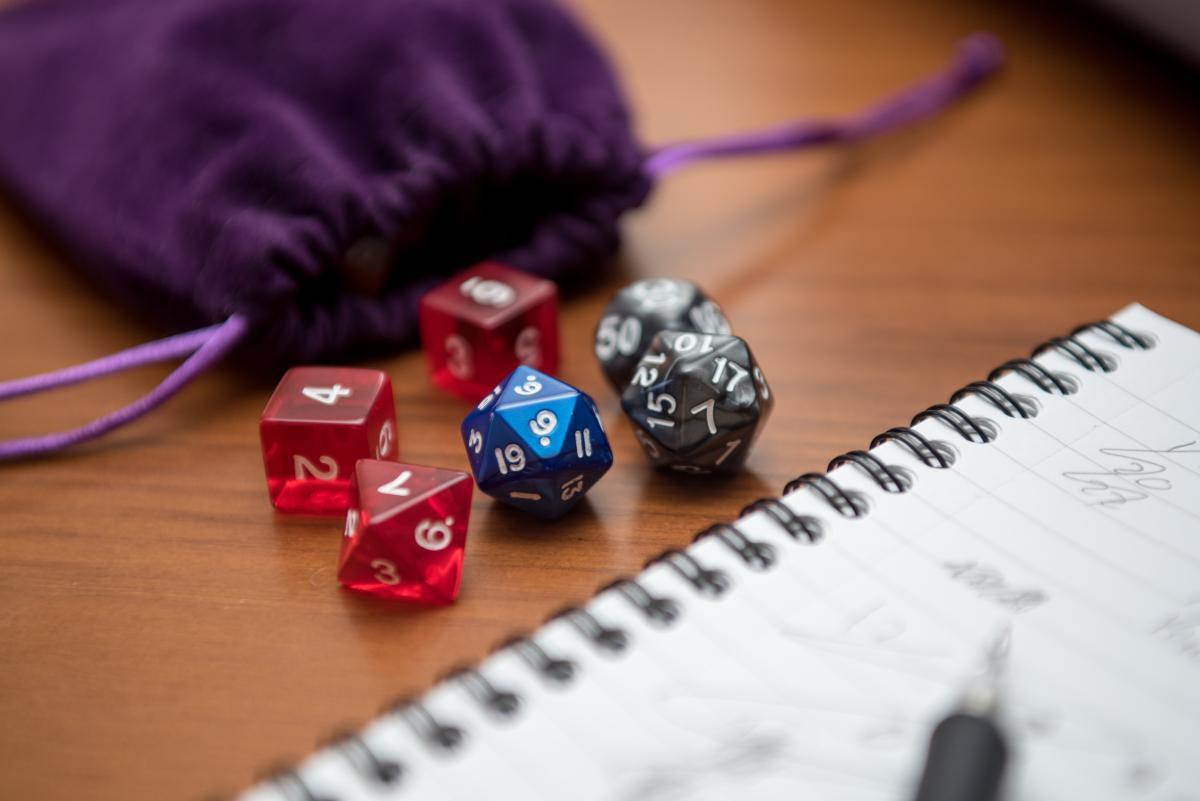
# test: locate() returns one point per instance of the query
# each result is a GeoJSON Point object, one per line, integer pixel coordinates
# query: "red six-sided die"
{"type": "Point", "coordinates": [406, 531]}
{"type": "Point", "coordinates": [317, 424]}
{"type": "Point", "coordinates": [478, 326]}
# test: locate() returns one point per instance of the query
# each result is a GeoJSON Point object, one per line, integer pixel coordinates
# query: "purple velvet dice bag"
{"type": "Point", "coordinates": [287, 177]}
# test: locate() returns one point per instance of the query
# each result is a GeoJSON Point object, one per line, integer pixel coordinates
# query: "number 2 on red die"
{"type": "Point", "coordinates": [317, 424]}
{"type": "Point", "coordinates": [478, 326]}
{"type": "Point", "coordinates": [406, 531]}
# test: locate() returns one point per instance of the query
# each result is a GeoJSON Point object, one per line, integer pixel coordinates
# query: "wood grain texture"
{"type": "Point", "coordinates": [164, 635]}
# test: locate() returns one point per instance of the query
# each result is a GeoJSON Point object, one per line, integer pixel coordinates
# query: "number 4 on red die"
{"type": "Point", "coordinates": [406, 531]}
{"type": "Point", "coordinates": [318, 423]}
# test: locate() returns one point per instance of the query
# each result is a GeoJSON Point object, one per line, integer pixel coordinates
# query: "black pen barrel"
{"type": "Point", "coordinates": [965, 761]}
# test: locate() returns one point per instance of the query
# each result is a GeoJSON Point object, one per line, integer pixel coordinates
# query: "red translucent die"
{"type": "Point", "coordinates": [319, 422]}
{"type": "Point", "coordinates": [478, 326]}
{"type": "Point", "coordinates": [406, 531]}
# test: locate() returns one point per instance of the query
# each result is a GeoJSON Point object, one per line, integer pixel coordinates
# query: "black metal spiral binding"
{"type": "Point", "coordinates": [1045, 380]}
{"type": "Point", "coordinates": [932, 453]}
{"type": "Point", "coordinates": [802, 528]}
{"type": "Point", "coordinates": [1081, 354]}
{"type": "Point", "coordinates": [1010, 405]}
{"type": "Point", "coordinates": [706, 580]}
{"type": "Point", "coordinates": [1117, 333]}
{"type": "Point", "coordinates": [968, 427]}
{"type": "Point", "coordinates": [502, 703]}
{"type": "Point", "coordinates": [364, 759]}
{"type": "Point", "coordinates": [845, 502]}
{"type": "Point", "coordinates": [552, 668]}
{"type": "Point", "coordinates": [291, 784]}
{"type": "Point", "coordinates": [427, 727]}
{"type": "Point", "coordinates": [757, 555]}
{"type": "Point", "coordinates": [605, 638]}
{"type": "Point", "coordinates": [889, 479]}
{"type": "Point", "coordinates": [659, 611]}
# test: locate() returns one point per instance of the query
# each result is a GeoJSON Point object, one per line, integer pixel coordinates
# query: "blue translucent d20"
{"type": "Point", "coordinates": [536, 443]}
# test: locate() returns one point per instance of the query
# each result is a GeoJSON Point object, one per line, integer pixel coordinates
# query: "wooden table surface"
{"type": "Point", "coordinates": [165, 635]}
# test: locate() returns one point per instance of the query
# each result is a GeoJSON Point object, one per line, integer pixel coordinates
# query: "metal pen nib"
{"type": "Point", "coordinates": [967, 751]}
{"type": "Point", "coordinates": [982, 695]}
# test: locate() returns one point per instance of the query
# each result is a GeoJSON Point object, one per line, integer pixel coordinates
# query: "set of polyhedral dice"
{"type": "Point", "coordinates": [330, 440]}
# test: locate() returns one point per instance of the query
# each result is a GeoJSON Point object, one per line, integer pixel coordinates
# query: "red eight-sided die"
{"type": "Point", "coordinates": [480, 325]}
{"type": "Point", "coordinates": [317, 424]}
{"type": "Point", "coordinates": [406, 531]}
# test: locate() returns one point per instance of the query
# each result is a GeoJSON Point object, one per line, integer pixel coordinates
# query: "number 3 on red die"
{"type": "Point", "coordinates": [406, 531]}
{"type": "Point", "coordinates": [478, 326]}
{"type": "Point", "coordinates": [318, 423]}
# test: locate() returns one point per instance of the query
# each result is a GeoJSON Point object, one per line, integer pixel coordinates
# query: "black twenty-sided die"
{"type": "Point", "coordinates": [697, 401]}
{"type": "Point", "coordinates": [641, 310]}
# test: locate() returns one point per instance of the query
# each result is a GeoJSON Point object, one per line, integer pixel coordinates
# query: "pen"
{"type": "Point", "coordinates": [967, 750]}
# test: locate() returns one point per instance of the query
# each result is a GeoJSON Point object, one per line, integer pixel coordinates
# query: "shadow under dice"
{"type": "Point", "coordinates": [317, 424]}
{"type": "Point", "coordinates": [406, 531]}
{"type": "Point", "coordinates": [697, 401]}
{"type": "Point", "coordinates": [478, 326]}
{"type": "Point", "coordinates": [536, 443]}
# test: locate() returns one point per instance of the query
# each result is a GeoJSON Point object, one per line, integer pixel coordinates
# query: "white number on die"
{"type": "Point", "coordinates": [385, 572]}
{"type": "Point", "coordinates": [761, 380]}
{"type": "Point", "coordinates": [351, 523]}
{"type": "Point", "coordinates": [307, 470]}
{"type": "Point", "coordinates": [663, 403]}
{"type": "Point", "coordinates": [528, 347]}
{"type": "Point", "coordinates": [458, 357]}
{"type": "Point", "coordinates": [542, 425]}
{"type": "Point", "coordinates": [488, 292]}
{"type": "Point", "coordinates": [707, 407]}
{"type": "Point", "coordinates": [396, 485]}
{"type": "Point", "coordinates": [434, 535]}
{"type": "Point", "coordinates": [730, 447]}
{"type": "Point", "coordinates": [738, 372]}
{"type": "Point", "coordinates": [511, 458]}
{"type": "Point", "coordinates": [707, 317]}
{"type": "Point", "coordinates": [583, 442]}
{"type": "Point", "coordinates": [645, 376]}
{"type": "Point", "coordinates": [656, 293]}
{"type": "Point", "coordinates": [326, 395]}
{"type": "Point", "coordinates": [688, 341]}
{"type": "Point", "coordinates": [475, 441]}
{"type": "Point", "coordinates": [487, 399]}
{"type": "Point", "coordinates": [615, 335]}
{"type": "Point", "coordinates": [387, 437]}
{"type": "Point", "coordinates": [572, 488]}
{"type": "Point", "coordinates": [531, 386]}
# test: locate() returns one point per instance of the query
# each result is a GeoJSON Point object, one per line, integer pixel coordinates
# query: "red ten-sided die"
{"type": "Point", "coordinates": [478, 326]}
{"type": "Point", "coordinates": [406, 531]}
{"type": "Point", "coordinates": [319, 422]}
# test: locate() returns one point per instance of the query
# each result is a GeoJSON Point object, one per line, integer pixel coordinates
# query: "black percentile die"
{"type": "Point", "coordinates": [641, 310]}
{"type": "Point", "coordinates": [697, 401]}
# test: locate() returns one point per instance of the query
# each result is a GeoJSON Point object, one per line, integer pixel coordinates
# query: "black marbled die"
{"type": "Point", "coordinates": [697, 401]}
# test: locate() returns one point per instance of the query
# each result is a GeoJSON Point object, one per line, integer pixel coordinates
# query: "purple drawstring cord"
{"type": "Point", "coordinates": [979, 56]}
{"type": "Point", "coordinates": [206, 345]}
{"type": "Point", "coordinates": [161, 350]}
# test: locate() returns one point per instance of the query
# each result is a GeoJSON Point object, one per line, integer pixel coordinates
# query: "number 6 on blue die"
{"type": "Point", "coordinates": [536, 443]}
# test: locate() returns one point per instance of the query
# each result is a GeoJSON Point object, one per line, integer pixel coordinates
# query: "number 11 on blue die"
{"type": "Point", "coordinates": [536, 443]}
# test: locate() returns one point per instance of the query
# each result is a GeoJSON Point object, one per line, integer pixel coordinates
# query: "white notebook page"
{"type": "Point", "coordinates": [822, 675]}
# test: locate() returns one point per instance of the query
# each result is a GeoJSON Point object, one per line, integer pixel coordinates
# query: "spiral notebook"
{"type": "Point", "coordinates": [806, 651]}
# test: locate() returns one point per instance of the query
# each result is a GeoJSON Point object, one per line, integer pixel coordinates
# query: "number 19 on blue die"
{"type": "Point", "coordinates": [536, 443]}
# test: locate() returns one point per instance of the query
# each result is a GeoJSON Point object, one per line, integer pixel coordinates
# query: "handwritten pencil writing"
{"type": "Point", "coordinates": [988, 583]}
{"type": "Point", "coordinates": [1136, 476]}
